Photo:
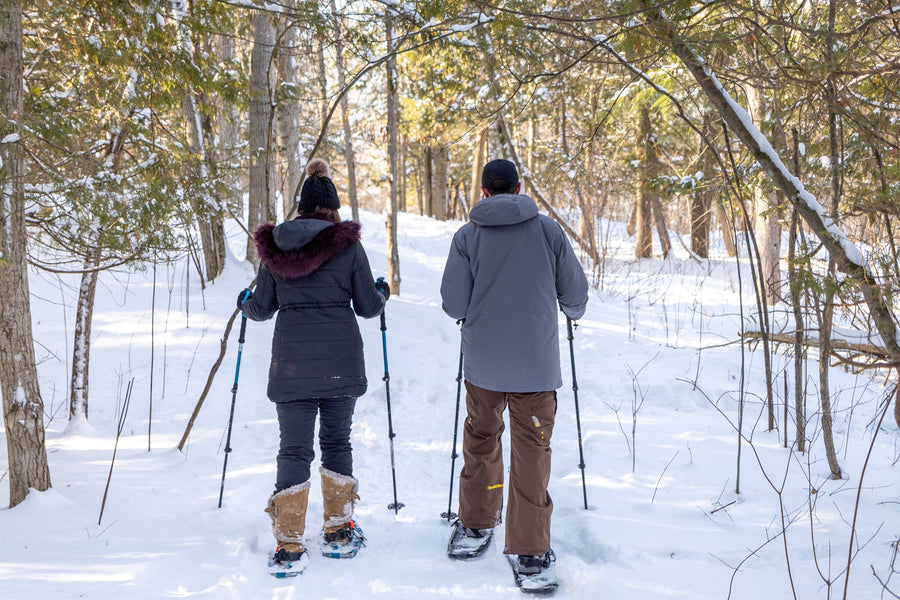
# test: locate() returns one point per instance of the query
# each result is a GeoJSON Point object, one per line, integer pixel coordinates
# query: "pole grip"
{"type": "Point", "coordinates": [243, 329]}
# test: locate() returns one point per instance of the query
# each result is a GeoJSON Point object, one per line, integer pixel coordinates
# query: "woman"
{"type": "Point", "coordinates": [311, 269]}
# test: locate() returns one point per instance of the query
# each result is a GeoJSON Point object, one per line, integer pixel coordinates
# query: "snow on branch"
{"type": "Point", "coordinates": [846, 255]}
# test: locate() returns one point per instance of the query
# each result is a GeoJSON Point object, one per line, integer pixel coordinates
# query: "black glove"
{"type": "Point", "coordinates": [382, 286]}
{"type": "Point", "coordinates": [245, 295]}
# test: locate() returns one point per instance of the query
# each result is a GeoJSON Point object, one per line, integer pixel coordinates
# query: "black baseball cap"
{"type": "Point", "coordinates": [499, 176]}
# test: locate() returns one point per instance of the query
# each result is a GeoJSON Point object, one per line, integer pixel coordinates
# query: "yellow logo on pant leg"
{"type": "Point", "coordinates": [496, 486]}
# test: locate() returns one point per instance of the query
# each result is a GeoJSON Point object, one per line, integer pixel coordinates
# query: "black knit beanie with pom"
{"type": "Point", "coordinates": [318, 190]}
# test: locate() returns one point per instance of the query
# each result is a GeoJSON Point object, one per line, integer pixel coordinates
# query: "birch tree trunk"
{"type": "Point", "coordinates": [349, 155]}
{"type": "Point", "coordinates": [23, 408]}
{"type": "Point", "coordinates": [84, 312]}
{"type": "Point", "coordinates": [393, 110]}
{"type": "Point", "coordinates": [261, 171]}
{"type": "Point", "coordinates": [287, 111]}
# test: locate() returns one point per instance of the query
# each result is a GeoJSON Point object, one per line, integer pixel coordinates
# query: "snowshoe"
{"type": "Point", "coordinates": [343, 543]}
{"type": "Point", "coordinates": [466, 543]}
{"type": "Point", "coordinates": [287, 564]}
{"type": "Point", "coordinates": [535, 574]}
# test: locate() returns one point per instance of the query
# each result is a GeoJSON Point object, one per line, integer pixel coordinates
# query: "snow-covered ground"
{"type": "Point", "coordinates": [658, 371]}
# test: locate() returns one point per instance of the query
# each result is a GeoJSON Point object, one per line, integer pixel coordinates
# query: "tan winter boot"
{"type": "Point", "coordinates": [341, 537]}
{"type": "Point", "coordinates": [339, 497]}
{"type": "Point", "coordinates": [287, 509]}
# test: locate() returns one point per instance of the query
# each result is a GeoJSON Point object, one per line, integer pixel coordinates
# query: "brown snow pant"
{"type": "Point", "coordinates": [531, 417]}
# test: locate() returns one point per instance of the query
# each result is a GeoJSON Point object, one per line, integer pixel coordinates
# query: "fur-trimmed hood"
{"type": "Point", "coordinates": [299, 247]}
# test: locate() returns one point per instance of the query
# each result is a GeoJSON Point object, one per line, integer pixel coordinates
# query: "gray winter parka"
{"type": "Point", "coordinates": [310, 272]}
{"type": "Point", "coordinates": [507, 270]}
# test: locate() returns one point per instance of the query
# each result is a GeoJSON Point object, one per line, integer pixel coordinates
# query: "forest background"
{"type": "Point", "coordinates": [129, 131]}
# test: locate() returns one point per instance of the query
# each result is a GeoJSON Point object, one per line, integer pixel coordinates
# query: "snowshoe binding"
{"type": "Point", "coordinates": [535, 574]}
{"type": "Point", "coordinates": [287, 564]}
{"type": "Point", "coordinates": [466, 543]}
{"type": "Point", "coordinates": [343, 543]}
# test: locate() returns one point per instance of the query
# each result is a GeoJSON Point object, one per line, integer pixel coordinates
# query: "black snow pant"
{"type": "Point", "coordinates": [297, 422]}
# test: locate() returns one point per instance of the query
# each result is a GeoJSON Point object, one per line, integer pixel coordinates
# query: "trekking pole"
{"type": "Point", "coordinates": [237, 371]}
{"type": "Point", "coordinates": [569, 326]}
{"type": "Point", "coordinates": [459, 376]}
{"type": "Point", "coordinates": [396, 506]}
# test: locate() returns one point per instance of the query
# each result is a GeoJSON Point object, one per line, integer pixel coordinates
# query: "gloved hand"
{"type": "Point", "coordinates": [245, 295]}
{"type": "Point", "coordinates": [382, 286]}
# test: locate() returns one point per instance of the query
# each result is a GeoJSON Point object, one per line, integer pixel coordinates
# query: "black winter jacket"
{"type": "Point", "coordinates": [310, 271]}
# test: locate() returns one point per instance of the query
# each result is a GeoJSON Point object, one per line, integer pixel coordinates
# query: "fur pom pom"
{"type": "Point", "coordinates": [317, 167]}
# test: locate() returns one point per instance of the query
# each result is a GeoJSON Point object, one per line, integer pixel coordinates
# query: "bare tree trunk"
{"type": "Point", "coordinates": [287, 115]}
{"type": "Point", "coordinates": [585, 221]}
{"type": "Point", "coordinates": [897, 410]}
{"type": "Point", "coordinates": [475, 192]}
{"type": "Point", "coordinates": [393, 110]}
{"type": "Point", "coordinates": [209, 220]}
{"type": "Point", "coordinates": [440, 191]}
{"type": "Point", "coordinates": [261, 171]}
{"type": "Point", "coordinates": [322, 81]}
{"type": "Point", "coordinates": [726, 225]}
{"type": "Point", "coordinates": [765, 199]}
{"type": "Point", "coordinates": [23, 408]}
{"type": "Point", "coordinates": [702, 199]}
{"type": "Point", "coordinates": [428, 179]}
{"type": "Point", "coordinates": [228, 128]}
{"type": "Point", "coordinates": [529, 151]}
{"type": "Point", "coordinates": [659, 217]}
{"type": "Point", "coordinates": [349, 155]}
{"type": "Point", "coordinates": [796, 306]}
{"type": "Point", "coordinates": [643, 247]}
{"type": "Point", "coordinates": [827, 314]}
{"type": "Point", "coordinates": [417, 173]}
{"type": "Point", "coordinates": [84, 312]}
{"type": "Point", "coordinates": [401, 196]}
{"type": "Point", "coordinates": [215, 222]}
{"type": "Point", "coordinates": [213, 255]}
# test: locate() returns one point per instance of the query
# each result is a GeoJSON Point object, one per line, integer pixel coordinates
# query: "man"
{"type": "Point", "coordinates": [506, 271]}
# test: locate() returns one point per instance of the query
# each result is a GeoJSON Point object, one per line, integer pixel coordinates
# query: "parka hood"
{"type": "Point", "coordinates": [503, 209]}
{"type": "Point", "coordinates": [293, 235]}
{"type": "Point", "coordinates": [299, 247]}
